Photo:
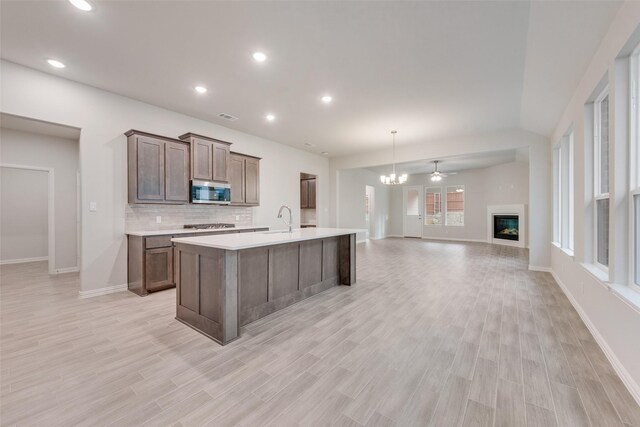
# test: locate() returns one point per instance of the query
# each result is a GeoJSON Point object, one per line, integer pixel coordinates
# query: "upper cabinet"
{"type": "Point", "coordinates": [158, 168]}
{"type": "Point", "coordinates": [244, 179]}
{"type": "Point", "coordinates": [308, 193]}
{"type": "Point", "coordinates": [209, 157]}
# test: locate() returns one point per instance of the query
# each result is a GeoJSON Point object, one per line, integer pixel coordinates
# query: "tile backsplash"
{"type": "Point", "coordinates": [143, 217]}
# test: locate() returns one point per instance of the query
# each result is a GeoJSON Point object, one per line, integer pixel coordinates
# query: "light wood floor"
{"type": "Point", "coordinates": [433, 333]}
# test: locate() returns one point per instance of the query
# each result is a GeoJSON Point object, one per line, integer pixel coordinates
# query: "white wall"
{"type": "Point", "coordinates": [23, 215]}
{"type": "Point", "coordinates": [613, 319]}
{"type": "Point", "coordinates": [497, 185]}
{"type": "Point", "coordinates": [61, 155]}
{"type": "Point", "coordinates": [539, 224]}
{"type": "Point", "coordinates": [103, 117]}
{"type": "Point", "coordinates": [351, 202]}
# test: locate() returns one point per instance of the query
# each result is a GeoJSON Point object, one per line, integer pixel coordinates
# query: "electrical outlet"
{"type": "Point", "coordinates": [158, 219]}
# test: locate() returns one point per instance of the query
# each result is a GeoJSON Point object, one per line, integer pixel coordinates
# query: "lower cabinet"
{"type": "Point", "coordinates": [151, 260]}
{"type": "Point", "coordinates": [158, 265]}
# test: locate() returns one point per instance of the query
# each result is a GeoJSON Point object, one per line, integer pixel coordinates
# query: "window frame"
{"type": "Point", "coordinates": [597, 173]}
{"type": "Point", "coordinates": [634, 164]}
{"type": "Point", "coordinates": [426, 214]}
{"type": "Point", "coordinates": [557, 197]}
{"type": "Point", "coordinates": [446, 210]}
{"type": "Point", "coordinates": [571, 190]}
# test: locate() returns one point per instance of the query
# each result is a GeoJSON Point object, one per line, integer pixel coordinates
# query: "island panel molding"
{"type": "Point", "coordinates": [220, 290]}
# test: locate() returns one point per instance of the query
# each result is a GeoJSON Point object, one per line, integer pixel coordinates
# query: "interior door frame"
{"type": "Point", "coordinates": [370, 190]}
{"type": "Point", "coordinates": [51, 222]}
{"type": "Point", "coordinates": [420, 189]}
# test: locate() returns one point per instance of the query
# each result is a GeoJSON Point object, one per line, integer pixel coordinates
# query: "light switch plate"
{"type": "Point", "coordinates": [237, 217]}
{"type": "Point", "coordinates": [93, 206]}
{"type": "Point", "coordinates": [158, 219]}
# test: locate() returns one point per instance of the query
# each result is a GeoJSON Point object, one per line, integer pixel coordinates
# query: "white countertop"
{"type": "Point", "coordinates": [234, 242]}
{"type": "Point", "coordinates": [190, 231]}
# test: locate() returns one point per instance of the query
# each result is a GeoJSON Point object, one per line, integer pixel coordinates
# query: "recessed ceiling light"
{"type": "Point", "coordinates": [324, 153]}
{"type": "Point", "coordinates": [308, 144]}
{"type": "Point", "coordinates": [55, 63]}
{"type": "Point", "coordinates": [259, 56]}
{"type": "Point", "coordinates": [327, 99]}
{"type": "Point", "coordinates": [270, 117]}
{"type": "Point", "coordinates": [200, 89]}
{"type": "Point", "coordinates": [83, 5]}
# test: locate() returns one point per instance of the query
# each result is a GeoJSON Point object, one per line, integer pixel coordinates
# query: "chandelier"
{"type": "Point", "coordinates": [393, 179]}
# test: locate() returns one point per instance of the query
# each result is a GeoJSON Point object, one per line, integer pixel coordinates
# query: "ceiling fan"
{"type": "Point", "coordinates": [436, 175]}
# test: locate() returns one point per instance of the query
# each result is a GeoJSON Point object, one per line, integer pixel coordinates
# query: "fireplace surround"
{"type": "Point", "coordinates": [505, 215]}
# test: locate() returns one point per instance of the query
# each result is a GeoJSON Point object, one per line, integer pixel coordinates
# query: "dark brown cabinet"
{"type": "Point", "coordinates": [158, 268]}
{"type": "Point", "coordinates": [150, 264]}
{"type": "Point", "coordinates": [151, 260]}
{"type": "Point", "coordinates": [158, 169]}
{"type": "Point", "coordinates": [176, 172]}
{"type": "Point", "coordinates": [236, 178]}
{"type": "Point", "coordinates": [244, 178]}
{"type": "Point", "coordinates": [209, 157]}
{"type": "Point", "coordinates": [308, 193]}
{"type": "Point", "coordinates": [202, 160]}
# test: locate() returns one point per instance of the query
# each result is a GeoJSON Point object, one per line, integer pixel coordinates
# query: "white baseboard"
{"type": "Point", "coordinates": [453, 239]}
{"type": "Point", "coordinates": [23, 260]}
{"type": "Point", "coordinates": [102, 291]}
{"type": "Point", "coordinates": [67, 270]}
{"type": "Point", "coordinates": [627, 379]}
{"type": "Point", "coordinates": [538, 268]}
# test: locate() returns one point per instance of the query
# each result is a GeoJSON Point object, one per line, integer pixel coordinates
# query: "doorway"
{"type": "Point", "coordinates": [412, 207]}
{"type": "Point", "coordinates": [308, 200]}
{"type": "Point", "coordinates": [51, 150]}
{"type": "Point", "coordinates": [27, 222]}
{"type": "Point", "coordinates": [369, 211]}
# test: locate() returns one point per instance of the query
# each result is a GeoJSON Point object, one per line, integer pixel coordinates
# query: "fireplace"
{"type": "Point", "coordinates": [506, 227]}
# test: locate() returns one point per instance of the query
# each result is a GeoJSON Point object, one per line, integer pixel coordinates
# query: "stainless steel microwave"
{"type": "Point", "coordinates": [218, 193]}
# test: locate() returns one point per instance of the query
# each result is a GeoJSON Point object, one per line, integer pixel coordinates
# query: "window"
{"type": "Point", "coordinates": [601, 175]}
{"type": "Point", "coordinates": [433, 206]}
{"type": "Point", "coordinates": [566, 191]}
{"type": "Point", "coordinates": [570, 191]}
{"type": "Point", "coordinates": [556, 196]}
{"type": "Point", "coordinates": [634, 167]}
{"type": "Point", "coordinates": [455, 205]}
{"type": "Point", "coordinates": [563, 192]}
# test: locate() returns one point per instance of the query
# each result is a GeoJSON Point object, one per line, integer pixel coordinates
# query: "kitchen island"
{"type": "Point", "coordinates": [227, 281]}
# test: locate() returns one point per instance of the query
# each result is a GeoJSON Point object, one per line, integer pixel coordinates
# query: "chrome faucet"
{"type": "Point", "coordinates": [290, 216]}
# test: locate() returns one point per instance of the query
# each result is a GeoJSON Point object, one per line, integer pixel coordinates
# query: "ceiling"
{"type": "Point", "coordinates": [431, 69]}
{"type": "Point", "coordinates": [455, 164]}
{"type": "Point", "coordinates": [9, 121]}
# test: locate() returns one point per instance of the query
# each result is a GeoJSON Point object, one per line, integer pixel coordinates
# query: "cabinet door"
{"type": "Point", "coordinates": [176, 172]}
{"type": "Point", "coordinates": [312, 194]}
{"type": "Point", "coordinates": [221, 153]}
{"type": "Point", "coordinates": [202, 160]}
{"type": "Point", "coordinates": [252, 181]}
{"type": "Point", "coordinates": [236, 179]}
{"type": "Point", "coordinates": [304, 194]}
{"type": "Point", "coordinates": [158, 268]}
{"type": "Point", "coordinates": [149, 169]}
